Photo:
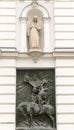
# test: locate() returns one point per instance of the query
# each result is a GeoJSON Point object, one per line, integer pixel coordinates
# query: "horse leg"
{"type": "Point", "coordinates": [22, 111]}
{"type": "Point", "coordinates": [30, 119]}
{"type": "Point", "coordinates": [52, 119]}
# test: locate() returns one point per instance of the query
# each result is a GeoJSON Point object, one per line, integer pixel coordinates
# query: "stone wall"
{"type": "Point", "coordinates": [62, 59]}
{"type": "Point", "coordinates": [7, 66]}
{"type": "Point", "coordinates": [64, 42]}
{"type": "Point", "coordinates": [7, 24]}
{"type": "Point", "coordinates": [7, 93]}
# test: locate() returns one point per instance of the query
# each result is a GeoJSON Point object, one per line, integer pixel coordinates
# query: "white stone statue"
{"type": "Point", "coordinates": [33, 34]}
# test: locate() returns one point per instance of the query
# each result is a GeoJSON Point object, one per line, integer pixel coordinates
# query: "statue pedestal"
{"type": "Point", "coordinates": [35, 54]}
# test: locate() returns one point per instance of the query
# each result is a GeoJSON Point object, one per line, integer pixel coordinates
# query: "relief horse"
{"type": "Point", "coordinates": [32, 108]}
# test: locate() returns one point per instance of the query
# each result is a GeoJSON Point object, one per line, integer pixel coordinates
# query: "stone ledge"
{"type": "Point", "coordinates": [38, 128]}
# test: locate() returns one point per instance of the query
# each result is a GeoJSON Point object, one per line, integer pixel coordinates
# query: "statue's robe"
{"type": "Point", "coordinates": [34, 35]}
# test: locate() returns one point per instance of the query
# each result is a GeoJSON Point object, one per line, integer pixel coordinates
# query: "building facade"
{"type": "Point", "coordinates": [57, 44]}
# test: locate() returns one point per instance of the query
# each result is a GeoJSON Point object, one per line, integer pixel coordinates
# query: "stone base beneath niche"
{"type": "Point", "coordinates": [35, 54]}
{"type": "Point", "coordinates": [35, 49]}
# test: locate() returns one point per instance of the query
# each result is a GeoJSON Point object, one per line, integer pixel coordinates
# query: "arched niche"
{"type": "Point", "coordinates": [30, 7]}
{"type": "Point", "coordinates": [26, 15]}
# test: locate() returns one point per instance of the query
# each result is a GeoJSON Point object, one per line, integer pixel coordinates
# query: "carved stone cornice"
{"type": "Point", "coordinates": [9, 54]}
{"type": "Point", "coordinates": [35, 56]}
{"type": "Point", "coordinates": [63, 54]}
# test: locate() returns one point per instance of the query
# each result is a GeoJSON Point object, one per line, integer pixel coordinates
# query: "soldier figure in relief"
{"type": "Point", "coordinates": [33, 34]}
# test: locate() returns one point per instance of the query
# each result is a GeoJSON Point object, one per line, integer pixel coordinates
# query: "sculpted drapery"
{"type": "Point", "coordinates": [33, 34]}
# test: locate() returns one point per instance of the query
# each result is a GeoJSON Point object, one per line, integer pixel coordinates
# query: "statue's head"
{"type": "Point", "coordinates": [35, 18]}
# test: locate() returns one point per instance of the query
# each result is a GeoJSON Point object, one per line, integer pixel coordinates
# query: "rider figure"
{"type": "Point", "coordinates": [39, 97]}
{"type": "Point", "coordinates": [36, 98]}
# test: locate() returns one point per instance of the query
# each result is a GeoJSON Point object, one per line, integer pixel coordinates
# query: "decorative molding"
{"type": "Point", "coordinates": [23, 19]}
{"type": "Point", "coordinates": [9, 54]}
{"type": "Point", "coordinates": [63, 54]}
{"type": "Point", "coordinates": [34, 3]}
{"type": "Point", "coordinates": [35, 54]}
{"type": "Point", "coordinates": [46, 18]}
